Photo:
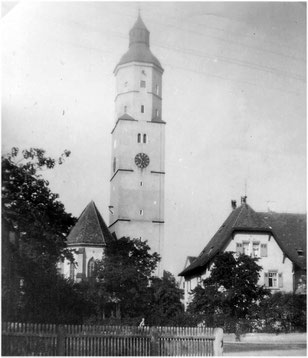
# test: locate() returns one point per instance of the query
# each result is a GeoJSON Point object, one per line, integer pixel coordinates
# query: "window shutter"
{"type": "Point", "coordinates": [239, 248]}
{"type": "Point", "coordinates": [263, 250]}
{"type": "Point", "coordinates": [280, 280]}
{"type": "Point", "coordinates": [266, 283]}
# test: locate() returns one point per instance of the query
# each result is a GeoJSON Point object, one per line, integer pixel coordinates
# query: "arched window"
{"type": "Point", "coordinates": [91, 267]}
{"type": "Point", "coordinates": [144, 138]}
{"type": "Point", "coordinates": [72, 271]}
{"type": "Point", "coordinates": [139, 138]}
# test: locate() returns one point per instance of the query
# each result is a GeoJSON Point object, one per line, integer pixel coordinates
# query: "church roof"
{"type": "Point", "coordinates": [90, 228]}
{"type": "Point", "coordinates": [289, 230]}
{"type": "Point", "coordinates": [139, 46]}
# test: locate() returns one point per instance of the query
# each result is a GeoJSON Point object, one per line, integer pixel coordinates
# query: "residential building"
{"type": "Point", "coordinates": [278, 240]}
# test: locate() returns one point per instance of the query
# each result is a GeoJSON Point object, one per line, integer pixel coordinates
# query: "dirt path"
{"type": "Point", "coordinates": [258, 349]}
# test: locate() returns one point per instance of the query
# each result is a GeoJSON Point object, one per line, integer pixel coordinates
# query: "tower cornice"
{"type": "Point", "coordinates": [137, 63]}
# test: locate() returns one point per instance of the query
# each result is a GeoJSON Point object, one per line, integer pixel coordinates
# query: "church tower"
{"type": "Point", "coordinates": [138, 145]}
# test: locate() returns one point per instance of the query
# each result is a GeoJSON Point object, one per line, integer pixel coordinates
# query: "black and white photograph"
{"type": "Point", "coordinates": [154, 176]}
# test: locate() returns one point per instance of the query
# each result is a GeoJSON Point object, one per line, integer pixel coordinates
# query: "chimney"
{"type": "Point", "coordinates": [243, 199]}
{"type": "Point", "coordinates": [233, 204]}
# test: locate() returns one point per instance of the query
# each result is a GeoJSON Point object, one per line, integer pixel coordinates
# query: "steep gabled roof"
{"type": "Point", "coordinates": [289, 231]}
{"type": "Point", "coordinates": [90, 229]}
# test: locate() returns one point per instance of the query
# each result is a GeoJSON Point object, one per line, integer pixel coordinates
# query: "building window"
{"type": "Point", "coordinates": [142, 84]}
{"type": "Point", "coordinates": [141, 183]}
{"type": "Point", "coordinates": [157, 113]}
{"type": "Point", "coordinates": [141, 212]}
{"type": "Point", "coordinates": [72, 271]}
{"type": "Point", "coordinates": [139, 138]}
{"type": "Point", "coordinates": [144, 138]}
{"type": "Point", "coordinates": [142, 108]}
{"type": "Point", "coordinates": [157, 89]}
{"type": "Point", "coordinates": [273, 279]}
{"type": "Point", "coordinates": [125, 84]}
{"type": "Point", "coordinates": [256, 249]}
{"type": "Point", "coordinates": [91, 267]}
{"type": "Point", "coordinates": [263, 250]}
{"type": "Point", "coordinates": [125, 109]}
{"type": "Point", "coordinates": [246, 248]}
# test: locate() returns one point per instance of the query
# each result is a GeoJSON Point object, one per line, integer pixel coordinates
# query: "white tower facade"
{"type": "Point", "coordinates": [138, 146]}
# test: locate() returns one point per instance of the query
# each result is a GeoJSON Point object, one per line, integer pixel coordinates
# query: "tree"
{"type": "Point", "coordinates": [35, 228]}
{"type": "Point", "coordinates": [165, 301]}
{"type": "Point", "coordinates": [283, 312]}
{"type": "Point", "coordinates": [231, 293]}
{"type": "Point", "coordinates": [124, 274]}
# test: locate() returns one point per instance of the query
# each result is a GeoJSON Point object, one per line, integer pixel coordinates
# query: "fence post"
{"type": "Point", "coordinates": [154, 348]}
{"type": "Point", "coordinates": [218, 345]}
{"type": "Point", "coordinates": [60, 340]}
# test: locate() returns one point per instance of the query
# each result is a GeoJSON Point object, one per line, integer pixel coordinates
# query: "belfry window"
{"type": "Point", "coordinates": [139, 137]}
{"type": "Point", "coordinates": [114, 164]}
{"type": "Point", "coordinates": [142, 108]}
{"type": "Point", "coordinates": [144, 138]}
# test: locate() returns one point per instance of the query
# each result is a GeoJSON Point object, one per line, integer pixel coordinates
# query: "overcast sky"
{"type": "Point", "coordinates": [234, 99]}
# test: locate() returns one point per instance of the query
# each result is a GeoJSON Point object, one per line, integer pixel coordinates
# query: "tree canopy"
{"type": "Point", "coordinates": [231, 292]}
{"type": "Point", "coordinates": [35, 226]}
{"type": "Point", "coordinates": [124, 273]}
{"type": "Point", "coordinates": [166, 300]}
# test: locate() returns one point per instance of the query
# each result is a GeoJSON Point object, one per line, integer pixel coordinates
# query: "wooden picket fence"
{"type": "Point", "coordinates": [27, 339]}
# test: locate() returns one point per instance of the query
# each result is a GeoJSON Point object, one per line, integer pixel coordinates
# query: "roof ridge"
{"type": "Point", "coordinates": [240, 211]}
{"type": "Point", "coordinates": [96, 216]}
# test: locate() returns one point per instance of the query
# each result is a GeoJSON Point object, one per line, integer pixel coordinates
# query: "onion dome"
{"type": "Point", "coordinates": [139, 46]}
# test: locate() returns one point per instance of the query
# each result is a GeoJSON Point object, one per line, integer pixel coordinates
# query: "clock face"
{"type": "Point", "coordinates": [142, 160]}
